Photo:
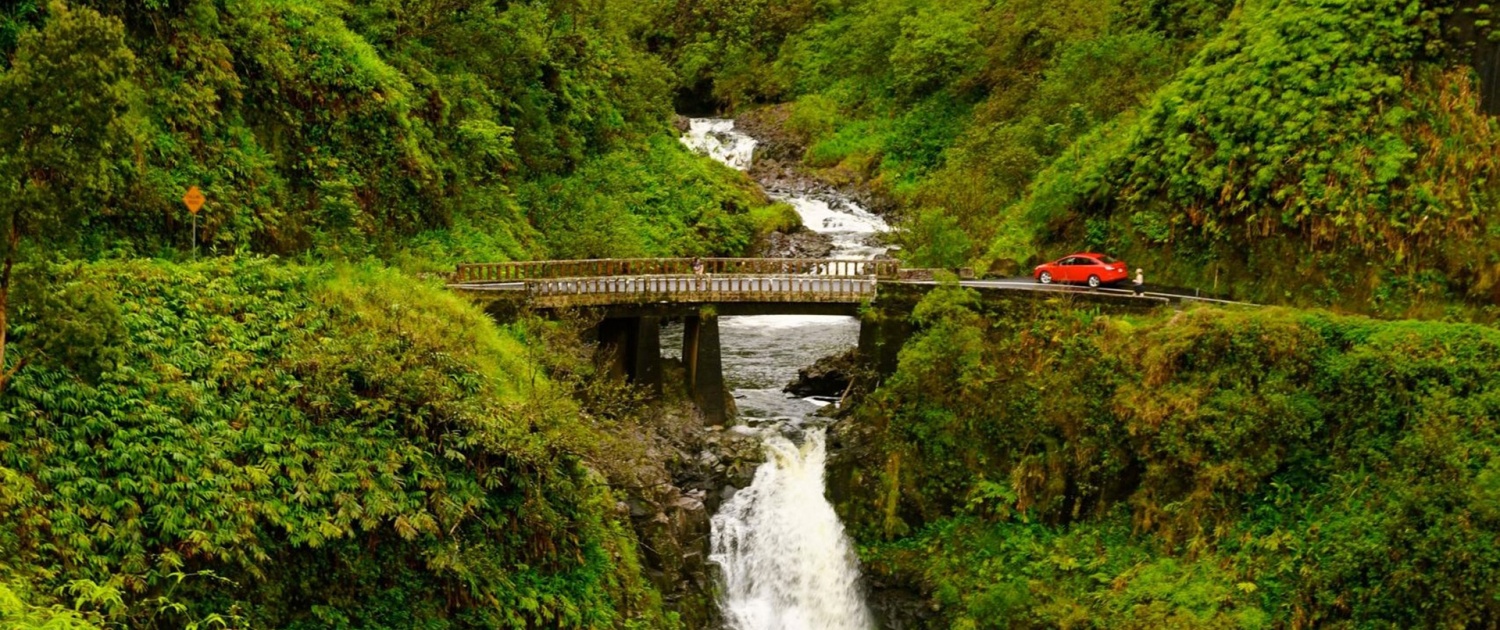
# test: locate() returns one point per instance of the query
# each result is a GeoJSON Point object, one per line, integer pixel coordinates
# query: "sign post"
{"type": "Point", "coordinates": [194, 201]}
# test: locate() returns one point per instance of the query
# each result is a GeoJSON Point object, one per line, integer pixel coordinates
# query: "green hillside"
{"type": "Point", "coordinates": [350, 130]}
{"type": "Point", "coordinates": [1032, 465]}
{"type": "Point", "coordinates": [1302, 152]}
{"type": "Point", "coordinates": [255, 441]}
{"type": "Point", "coordinates": [302, 447]}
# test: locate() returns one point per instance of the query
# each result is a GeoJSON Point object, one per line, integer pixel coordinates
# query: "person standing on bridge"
{"type": "Point", "coordinates": [1139, 283]}
{"type": "Point", "coordinates": [698, 266]}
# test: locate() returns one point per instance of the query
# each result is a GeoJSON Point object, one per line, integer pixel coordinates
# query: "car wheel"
{"type": "Point", "coordinates": [1094, 281]}
{"type": "Point", "coordinates": [1046, 277]}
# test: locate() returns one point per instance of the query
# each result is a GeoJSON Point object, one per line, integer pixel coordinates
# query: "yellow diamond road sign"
{"type": "Point", "coordinates": [194, 199]}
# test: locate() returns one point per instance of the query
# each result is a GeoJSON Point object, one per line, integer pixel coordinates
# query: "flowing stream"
{"type": "Point", "coordinates": [786, 562]}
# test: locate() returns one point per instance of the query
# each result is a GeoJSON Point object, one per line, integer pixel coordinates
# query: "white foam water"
{"type": "Point", "coordinates": [786, 561]}
{"type": "Point", "coordinates": [844, 221]}
{"type": "Point", "coordinates": [847, 224]}
{"type": "Point", "coordinates": [717, 139]}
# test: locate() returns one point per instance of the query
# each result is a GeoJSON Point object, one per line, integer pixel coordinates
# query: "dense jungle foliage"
{"type": "Point", "coordinates": [1309, 152]}
{"type": "Point", "coordinates": [297, 432]}
{"type": "Point", "coordinates": [477, 129]}
{"type": "Point", "coordinates": [260, 442]}
{"type": "Point", "coordinates": [268, 445]}
{"type": "Point", "coordinates": [1040, 465]}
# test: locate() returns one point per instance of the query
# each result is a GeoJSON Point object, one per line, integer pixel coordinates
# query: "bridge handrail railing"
{"type": "Point", "coordinates": [606, 267]}
{"type": "Point", "coordinates": [703, 288]}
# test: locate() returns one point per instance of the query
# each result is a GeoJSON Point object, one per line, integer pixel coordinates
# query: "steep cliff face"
{"type": "Point", "coordinates": [1262, 467]}
{"type": "Point", "coordinates": [670, 474]}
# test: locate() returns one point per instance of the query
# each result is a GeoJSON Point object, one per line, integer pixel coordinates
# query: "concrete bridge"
{"type": "Point", "coordinates": [745, 286]}
{"type": "Point", "coordinates": [631, 298]}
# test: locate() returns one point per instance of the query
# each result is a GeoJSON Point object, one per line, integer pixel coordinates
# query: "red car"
{"type": "Point", "coordinates": [1090, 268]}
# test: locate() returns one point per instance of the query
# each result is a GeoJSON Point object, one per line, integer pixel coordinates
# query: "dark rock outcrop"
{"type": "Point", "coordinates": [673, 532]}
{"type": "Point", "coordinates": [829, 376]}
{"type": "Point", "coordinates": [799, 244]}
{"type": "Point", "coordinates": [899, 607]}
{"type": "Point", "coordinates": [779, 166]}
{"type": "Point", "coordinates": [1004, 268]}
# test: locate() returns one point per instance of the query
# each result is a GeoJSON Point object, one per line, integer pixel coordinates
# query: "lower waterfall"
{"type": "Point", "coordinates": [786, 562]}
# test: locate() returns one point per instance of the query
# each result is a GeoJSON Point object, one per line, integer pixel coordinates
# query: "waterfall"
{"type": "Point", "coordinates": [785, 560]}
{"type": "Point", "coordinates": [787, 564]}
{"type": "Point", "coordinates": [718, 140]}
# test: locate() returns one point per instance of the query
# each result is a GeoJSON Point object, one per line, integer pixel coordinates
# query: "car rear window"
{"type": "Point", "coordinates": [1107, 260]}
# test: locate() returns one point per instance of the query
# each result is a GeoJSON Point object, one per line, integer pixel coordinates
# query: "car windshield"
{"type": "Point", "coordinates": [1107, 260]}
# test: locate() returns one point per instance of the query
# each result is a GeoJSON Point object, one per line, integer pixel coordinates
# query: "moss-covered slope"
{"type": "Point", "coordinates": [1033, 465]}
{"type": "Point", "coordinates": [304, 447]}
{"type": "Point", "coordinates": [402, 130]}
{"type": "Point", "coordinates": [1296, 152]}
{"type": "Point", "coordinates": [1312, 153]}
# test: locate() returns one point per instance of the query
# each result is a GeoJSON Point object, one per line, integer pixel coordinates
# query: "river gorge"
{"type": "Point", "coordinates": [784, 561]}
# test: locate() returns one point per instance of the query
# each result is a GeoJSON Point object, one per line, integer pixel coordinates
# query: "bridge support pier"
{"type": "Point", "coordinates": [631, 348]}
{"type": "Point", "coordinates": [702, 356]}
{"type": "Point", "coordinates": [881, 335]}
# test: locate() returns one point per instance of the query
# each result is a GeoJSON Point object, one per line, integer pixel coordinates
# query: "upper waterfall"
{"type": "Point", "coordinates": [717, 139]}
{"type": "Point", "coordinates": [851, 228]}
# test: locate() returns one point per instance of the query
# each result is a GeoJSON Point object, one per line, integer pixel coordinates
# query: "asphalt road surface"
{"type": "Point", "coordinates": [1026, 283]}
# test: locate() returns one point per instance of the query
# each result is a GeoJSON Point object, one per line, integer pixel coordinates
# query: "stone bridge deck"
{"type": "Point", "coordinates": [743, 285]}
{"type": "Point", "coordinates": [557, 284]}
{"type": "Point", "coordinates": [580, 292]}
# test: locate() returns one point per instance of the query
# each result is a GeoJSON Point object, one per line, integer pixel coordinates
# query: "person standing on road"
{"type": "Point", "coordinates": [1139, 283]}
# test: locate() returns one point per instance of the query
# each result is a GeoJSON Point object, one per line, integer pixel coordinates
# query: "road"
{"type": "Point", "coordinates": [854, 288]}
{"type": "Point", "coordinates": [1026, 283]}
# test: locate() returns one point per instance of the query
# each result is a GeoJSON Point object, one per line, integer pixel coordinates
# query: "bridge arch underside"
{"type": "Point", "coordinates": [629, 341]}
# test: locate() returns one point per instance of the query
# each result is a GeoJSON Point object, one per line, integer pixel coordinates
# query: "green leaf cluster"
{"type": "Point", "coordinates": [956, 106]}
{"type": "Point", "coordinates": [653, 200]}
{"type": "Point", "coordinates": [1302, 152]}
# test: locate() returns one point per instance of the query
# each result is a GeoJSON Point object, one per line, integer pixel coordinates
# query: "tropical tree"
{"type": "Point", "coordinates": [62, 101]}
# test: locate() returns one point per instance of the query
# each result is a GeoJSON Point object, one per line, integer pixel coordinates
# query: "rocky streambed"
{"type": "Point", "coordinates": [735, 528]}
{"type": "Point", "coordinates": [777, 546]}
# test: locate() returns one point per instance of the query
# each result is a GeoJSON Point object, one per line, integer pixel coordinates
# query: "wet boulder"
{"type": "Point", "coordinates": [829, 376]}
{"type": "Point", "coordinates": [799, 244]}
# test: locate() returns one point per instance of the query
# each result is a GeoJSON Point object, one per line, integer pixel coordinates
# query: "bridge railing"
{"type": "Point", "coordinates": [475, 273]}
{"type": "Point", "coordinates": [570, 292]}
